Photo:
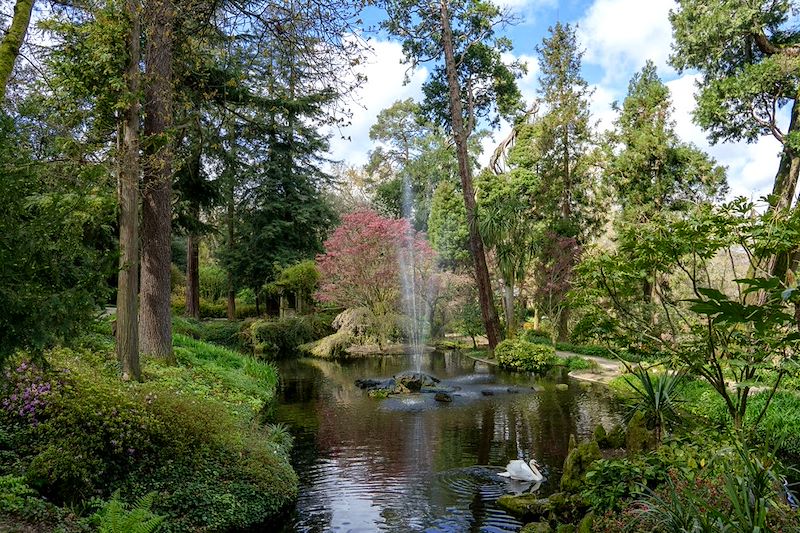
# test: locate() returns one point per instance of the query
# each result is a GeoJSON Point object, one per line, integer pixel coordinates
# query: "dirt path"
{"type": "Point", "coordinates": [604, 371]}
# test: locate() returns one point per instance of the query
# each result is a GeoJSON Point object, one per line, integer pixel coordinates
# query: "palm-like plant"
{"type": "Point", "coordinates": [656, 396]}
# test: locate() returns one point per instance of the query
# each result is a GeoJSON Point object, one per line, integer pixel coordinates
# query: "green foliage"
{"type": "Point", "coordinates": [301, 277]}
{"type": "Point", "coordinates": [274, 338]}
{"type": "Point", "coordinates": [217, 309]}
{"type": "Point", "coordinates": [189, 433]}
{"type": "Point", "coordinates": [54, 248]}
{"type": "Point", "coordinates": [221, 332]}
{"type": "Point", "coordinates": [213, 282]}
{"type": "Point", "coordinates": [447, 225]}
{"type": "Point", "coordinates": [780, 426]}
{"type": "Point", "coordinates": [744, 497]}
{"type": "Point", "coordinates": [14, 494]}
{"type": "Point", "coordinates": [524, 356]}
{"type": "Point", "coordinates": [657, 397]}
{"type": "Point", "coordinates": [116, 517]}
{"type": "Point", "coordinates": [578, 363]}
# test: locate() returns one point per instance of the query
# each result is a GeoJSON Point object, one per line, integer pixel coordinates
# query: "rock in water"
{"type": "Point", "coordinates": [414, 381]}
{"type": "Point", "coordinates": [443, 397]}
{"type": "Point", "coordinates": [375, 384]}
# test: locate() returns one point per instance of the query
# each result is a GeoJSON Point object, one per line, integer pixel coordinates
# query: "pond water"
{"type": "Point", "coordinates": [409, 463]}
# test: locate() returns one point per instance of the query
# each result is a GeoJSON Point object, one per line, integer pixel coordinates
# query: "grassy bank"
{"type": "Point", "coordinates": [72, 434]}
{"type": "Point", "coordinates": [779, 429]}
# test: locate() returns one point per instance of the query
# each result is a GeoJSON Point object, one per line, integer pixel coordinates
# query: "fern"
{"type": "Point", "coordinates": [115, 517]}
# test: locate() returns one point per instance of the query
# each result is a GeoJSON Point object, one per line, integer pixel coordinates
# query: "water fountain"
{"type": "Point", "coordinates": [417, 329]}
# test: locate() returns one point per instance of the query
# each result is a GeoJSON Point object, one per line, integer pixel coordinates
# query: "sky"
{"type": "Point", "coordinates": [618, 37]}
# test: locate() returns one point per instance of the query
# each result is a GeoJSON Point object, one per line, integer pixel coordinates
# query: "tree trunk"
{"type": "Point", "coordinates": [460, 136]}
{"type": "Point", "coordinates": [563, 324]}
{"type": "Point", "coordinates": [193, 276]}
{"type": "Point", "coordinates": [508, 307]}
{"type": "Point", "coordinates": [128, 276]}
{"type": "Point", "coordinates": [230, 219]}
{"type": "Point", "coordinates": [155, 325]}
{"type": "Point", "coordinates": [12, 42]}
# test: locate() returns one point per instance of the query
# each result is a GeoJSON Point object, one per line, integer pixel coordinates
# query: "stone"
{"type": "Point", "coordinates": [372, 384]}
{"type": "Point", "coordinates": [600, 436]}
{"type": "Point", "coordinates": [414, 381]}
{"type": "Point", "coordinates": [577, 463]}
{"type": "Point", "coordinates": [443, 397]}
{"type": "Point", "coordinates": [524, 506]}
{"type": "Point", "coordinates": [586, 523]}
{"type": "Point", "coordinates": [536, 527]}
{"type": "Point", "coordinates": [562, 386]}
{"type": "Point", "coordinates": [616, 439]}
{"type": "Point", "coordinates": [637, 437]}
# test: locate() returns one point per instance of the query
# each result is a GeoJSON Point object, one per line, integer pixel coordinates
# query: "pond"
{"type": "Point", "coordinates": [409, 463]}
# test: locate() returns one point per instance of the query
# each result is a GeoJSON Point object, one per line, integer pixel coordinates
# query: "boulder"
{"type": "Point", "coordinates": [586, 523]}
{"type": "Point", "coordinates": [524, 506]}
{"type": "Point", "coordinates": [443, 397]}
{"type": "Point", "coordinates": [414, 381]}
{"type": "Point", "coordinates": [637, 437]}
{"type": "Point", "coordinates": [578, 460]}
{"type": "Point", "coordinates": [562, 386]}
{"type": "Point", "coordinates": [537, 527]}
{"type": "Point", "coordinates": [375, 384]}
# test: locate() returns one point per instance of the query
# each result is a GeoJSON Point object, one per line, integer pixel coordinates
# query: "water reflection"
{"type": "Point", "coordinates": [412, 464]}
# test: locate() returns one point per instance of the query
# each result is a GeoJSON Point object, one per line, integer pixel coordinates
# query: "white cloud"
{"type": "Point", "coordinates": [385, 75]}
{"type": "Point", "coordinates": [751, 167]}
{"type": "Point", "coordinates": [620, 35]}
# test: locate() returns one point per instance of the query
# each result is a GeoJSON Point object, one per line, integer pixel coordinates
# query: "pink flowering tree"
{"type": "Point", "coordinates": [360, 268]}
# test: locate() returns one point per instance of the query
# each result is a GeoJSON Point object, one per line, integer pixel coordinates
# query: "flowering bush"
{"type": "Point", "coordinates": [28, 392]}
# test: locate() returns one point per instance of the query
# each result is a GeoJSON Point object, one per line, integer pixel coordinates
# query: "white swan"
{"type": "Point", "coordinates": [522, 471]}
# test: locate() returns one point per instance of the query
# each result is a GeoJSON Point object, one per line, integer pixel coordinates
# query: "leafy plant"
{"type": "Point", "coordinates": [656, 396]}
{"type": "Point", "coordinates": [116, 517]}
{"type": "Point", "coordinates": [524, 356]}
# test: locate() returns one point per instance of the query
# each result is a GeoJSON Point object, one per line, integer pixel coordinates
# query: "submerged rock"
{"type": "Point", "coordinates": [524, 506]}
{"type": "Point", "coordinates": [375, 384]}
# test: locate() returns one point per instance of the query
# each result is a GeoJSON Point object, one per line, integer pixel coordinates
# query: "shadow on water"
{"type": "Point", "coordinates": [409, 463]}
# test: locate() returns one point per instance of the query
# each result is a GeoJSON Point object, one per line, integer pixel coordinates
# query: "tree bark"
{"type": "Point", "coordinates": [12, 42]}
{"type": "Point", "coordinates": [508, 307]}
{"type": "Point", "coordinates": [461, 136]}
{"type": "Point", "coordinates": [128, 277]}
{"type": "Point", "coordinates": [193, 276]}
{"type": "Point", "coordinates": [155, 324]}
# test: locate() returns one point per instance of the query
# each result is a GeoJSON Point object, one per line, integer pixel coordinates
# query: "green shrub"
{"type": "Point", "coordinates": [578, 363]}
{"type": "Point", "coordinates": [189, 433]}
{"type": "Point", "coordinates": [213, 282]}
{"type": "Point", "coordinates": [273, 338]}
{"type": "Point", "coordinates": [525, 356]}
{"type": "Point", "coordinates": [536, 336]}
{"type": "Point", "coordinates": [209, 309]}
{"type": "Point", "coordinates": [222, 332]}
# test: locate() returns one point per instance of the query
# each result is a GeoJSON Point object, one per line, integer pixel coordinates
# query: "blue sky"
{"type": "Point", "coordinates": [618, 36]}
